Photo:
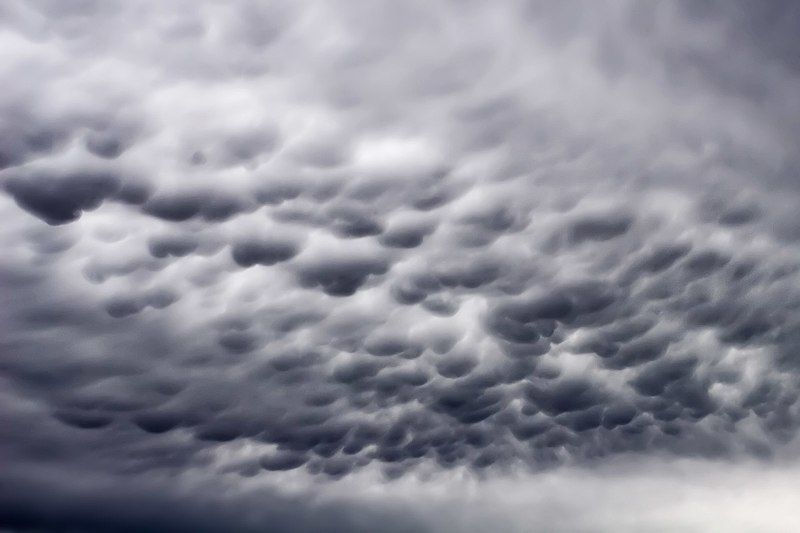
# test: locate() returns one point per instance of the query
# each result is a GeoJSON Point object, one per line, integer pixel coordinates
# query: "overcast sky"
{"type": "Point", "coordinates": [347, 266]}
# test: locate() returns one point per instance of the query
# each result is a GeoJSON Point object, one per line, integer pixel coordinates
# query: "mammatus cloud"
{"type": "Point", "coordinates": [261, 255]}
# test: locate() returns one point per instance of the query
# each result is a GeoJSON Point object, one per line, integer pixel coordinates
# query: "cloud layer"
{"type": "Point", "coordinates": [275, 246]}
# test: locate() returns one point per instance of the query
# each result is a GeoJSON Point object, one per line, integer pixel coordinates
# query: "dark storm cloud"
{"type": "Point", "coordinates": [340, 276]}
{"type": "Point", "coordinates": [406, 235]}
{"type": "Point", "coordinates": [179, 207]}
{"type": "Point", "coordinates": [62, 199]}
{"type": "Point", "coordinates": [305, 243]}
{"type": "Point", "coordinates": [354, 223]}
{"type": "Point", "coordinates": [104, 505]}
{"type": "Point", "coordinates": [599, 227]}
{"type": "Point", "coordinates": [253, 252]}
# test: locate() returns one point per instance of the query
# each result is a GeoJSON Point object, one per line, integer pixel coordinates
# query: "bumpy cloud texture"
{"type": "Point", "coordinates": [255, 251]}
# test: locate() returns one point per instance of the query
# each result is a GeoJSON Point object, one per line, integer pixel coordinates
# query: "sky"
{"type": "Point", "coordinates": [346, 266]}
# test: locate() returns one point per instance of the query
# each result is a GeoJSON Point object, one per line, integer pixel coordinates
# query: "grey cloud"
{"type": "Point", "coordinates": [704, 262]}
{"type": "Point", "coordinates": [456, 365]}
{"type": "Point", "coordinates": [354, 223]}
{"type": "Point", "coordinates": [340, 276]}
{"type": "Point", "coordinates": [276, 192]}
{"type": "Point", "coordinates": [122, 306]}
{"type": "Point", "coordinates": [157, 422]}
{"type": "Point", "coordinates": [84, 420]}
{"type": "Point", "coordinates": [179, 207]}
{"type": "Point", "coordinates": [262, 252]}
{"type": "Point", "coordinates": [319, 246]}
{"type": "Point", "coordinates": [105, 506]}
{"type": "Point", "coordinates": [62, 199]}
{"type": "Point", "coordinates": [599, 227]}
{"type": "Point", "coordinates": [565, 396]}
{"type": "Point", "coordinates": [654, 377]}
{"type": "Point", "coordinates": [405, 235]}
{"type": "Point", "coordinates": [162, 246]}
{"type": "Point", "coordinates": [283, 461]}
{"type": "Point", "coordinates": [20, 145]}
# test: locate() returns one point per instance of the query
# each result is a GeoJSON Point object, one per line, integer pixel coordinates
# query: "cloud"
{"type": "Point", "coordinates": [249, 253]}
{"type": "Point", "coordinates": [286, 248]}
{"type": "Point", "coordinates": [61, 199]}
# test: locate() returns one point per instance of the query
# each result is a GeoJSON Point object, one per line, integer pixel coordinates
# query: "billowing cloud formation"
{"type": "Point", "coordinates": [299, 242]}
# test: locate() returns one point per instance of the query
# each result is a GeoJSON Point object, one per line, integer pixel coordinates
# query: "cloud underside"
{"type": "Point", "coordinates": [308, 242]}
